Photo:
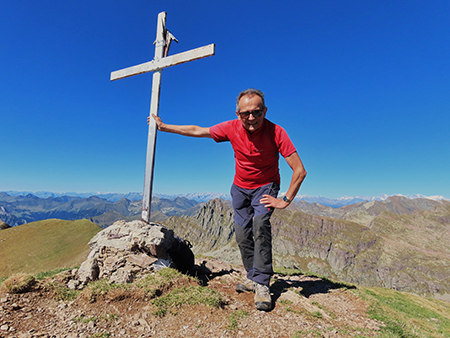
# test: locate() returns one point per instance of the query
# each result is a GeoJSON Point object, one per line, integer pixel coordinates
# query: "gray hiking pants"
{"type": "Point", "coordinates": [253, 230]}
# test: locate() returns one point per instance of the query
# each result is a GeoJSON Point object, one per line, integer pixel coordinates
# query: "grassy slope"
{"type": "Point", "coordinates": [407, 315]}
{"type": "Point", "coordinates": [44, 245]}
{"type": "Point", "coordinates": [52, 244]}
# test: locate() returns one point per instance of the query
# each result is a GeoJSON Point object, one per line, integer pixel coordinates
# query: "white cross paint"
{"type": "Point", "coordinates": [160, 61]}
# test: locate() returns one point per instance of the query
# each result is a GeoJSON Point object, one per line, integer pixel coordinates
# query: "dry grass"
{"type": "Point", "coordinates": [44, 245]}
{"type": "Point", "coordinates": [19, 283]}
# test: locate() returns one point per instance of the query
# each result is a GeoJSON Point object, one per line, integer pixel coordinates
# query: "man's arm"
{"type": "Point", "coordinates": [298, 175]}
{"type": "Point", "coordinates": [193, 131]}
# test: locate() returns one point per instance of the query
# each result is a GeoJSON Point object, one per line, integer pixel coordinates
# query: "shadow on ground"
{"type": "Point", "coordinates": [204, 274]}
{"type": "Point", "coordinates": [307, 287]}
{"type": "Point", "coordinates": [304, 285]}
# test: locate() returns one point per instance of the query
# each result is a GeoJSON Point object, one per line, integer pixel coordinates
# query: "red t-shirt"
{"type": "Point", "coordinates": [256, 153]}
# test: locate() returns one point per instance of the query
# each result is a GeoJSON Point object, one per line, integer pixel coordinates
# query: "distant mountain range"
{"type": "Point", "coordinates": [395, 242]}
{"type": "Point", "coordinates": [343, 201]}
{"type": "Point", "coordinates": [112, 197]}
{"type": "Point", "coordinates": [17, 210]}
{"type": "Point", "coordinates": [206, 196]}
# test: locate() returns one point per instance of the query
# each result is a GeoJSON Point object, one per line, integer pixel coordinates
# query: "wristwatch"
{"type": "Point", "coordinates": [287, 200]}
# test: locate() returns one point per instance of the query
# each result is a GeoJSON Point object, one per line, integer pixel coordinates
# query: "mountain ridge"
{"type": "Point", "coordinates": [17, 210]}
{"type": "Point", "coordinates": [206, 196]}
{"type": "Point", "coordinates": [24, 208]}
{"type": "Point", "coordinates": [398, 243]}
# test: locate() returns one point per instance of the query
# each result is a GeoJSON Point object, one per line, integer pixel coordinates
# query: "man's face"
{"type": "Point", "coordinates": [249, 104]}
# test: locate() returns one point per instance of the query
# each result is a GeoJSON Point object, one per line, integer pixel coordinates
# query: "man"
{"type": "Point", "coordinates": [257, 143]}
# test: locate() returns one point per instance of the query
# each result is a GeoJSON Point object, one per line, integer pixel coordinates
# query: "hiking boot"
{"type": "Point", "coordinates": [247, 286]}
{"type": "Point", "coordinates": [263, 301]}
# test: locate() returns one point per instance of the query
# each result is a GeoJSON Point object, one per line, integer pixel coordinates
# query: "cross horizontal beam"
{"type": "Point", "coordinates": [168, 61]}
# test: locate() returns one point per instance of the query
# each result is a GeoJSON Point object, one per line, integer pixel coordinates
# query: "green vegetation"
{"type": "Point", "coordinates": [234, 319]}
{"type": "Point", "coordinates": [112, 316]}
{"type": "Point", "coordinates": [84, 319]}
{"type": "Point", "coordinates": [402, 315]}
{"type": "Point", "coordinates": [20, 283]}
{"type": "Point", "coordinates": [287, 271]}
{"type": "Point", "coordinates": [103, 287]}
{"type": "Point", "coordinates": [168, 288]}
{"type": "Point", "coordinates": [101, 335]}
{"type": "Point", "coordinates": [287, 305]}
{"type": "Point", "coordinates": [46, 274]}
{"type": "Point", "coordinates": [186, 295]}
{"type": "Point", "coordinates": [62, 292]}
{"type": "Point", "coordinates": [406, 315]}
{"type": "Point", "coordinates": [151, 285]}
{"type": "Point", "coordinates": [317, 314]}
{"type": "Point", "coordinates": [44, 245]}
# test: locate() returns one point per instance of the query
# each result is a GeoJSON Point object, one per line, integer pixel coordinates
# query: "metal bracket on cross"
{"type": "Point", "coordinates": [160, 61]}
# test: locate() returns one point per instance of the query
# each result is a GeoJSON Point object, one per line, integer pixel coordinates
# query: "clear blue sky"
{"type": "Point", "coordinates": [361, 87]}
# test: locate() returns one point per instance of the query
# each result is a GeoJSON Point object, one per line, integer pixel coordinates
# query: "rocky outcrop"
{"type": "Point", "coordinates": [385, 248]}
{"type": "Point", "coordinates": [11, 220]}
{"type": "Point", "coordinates": [322, 245]}
{"type": "Point", "coordinates": [3, 225]}
{"type": "Point", "coordinates": [365, 212]}
{"type": "Point", "coordinates": [211, 229]}
{"type": "Point", "coordinates": [124, 250]}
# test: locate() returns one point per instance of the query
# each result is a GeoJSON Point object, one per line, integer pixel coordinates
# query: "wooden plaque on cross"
{"type": "Point", "coordinates": [161, 60]}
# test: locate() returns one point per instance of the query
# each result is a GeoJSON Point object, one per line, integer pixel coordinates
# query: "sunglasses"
{"type": "Point", "coordinates": [255, 113]}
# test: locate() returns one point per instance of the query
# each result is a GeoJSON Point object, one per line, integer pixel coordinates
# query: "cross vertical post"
{"type": "Point", "coordinates": [154, 109]}
{"type": "Point", "coordinates": [161, 60]}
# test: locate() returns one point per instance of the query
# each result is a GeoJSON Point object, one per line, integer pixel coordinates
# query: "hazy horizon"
{"type": "Point", "coordinates": [299, 196]}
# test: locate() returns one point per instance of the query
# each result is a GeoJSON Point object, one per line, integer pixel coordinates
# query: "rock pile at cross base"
{"type": "Point", "coordinates": [124, 250]}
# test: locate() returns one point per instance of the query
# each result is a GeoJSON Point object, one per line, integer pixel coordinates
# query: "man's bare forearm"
{"type": "Point", "coordinates": [296, 182]}
{"type": "Point", "coordinates": [298, 175]}
{"type": "Point", "coordinates": [186, 130]}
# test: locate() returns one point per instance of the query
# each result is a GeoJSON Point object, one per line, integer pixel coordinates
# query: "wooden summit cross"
{"type": "Point", "coordinates": [160, 61]}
